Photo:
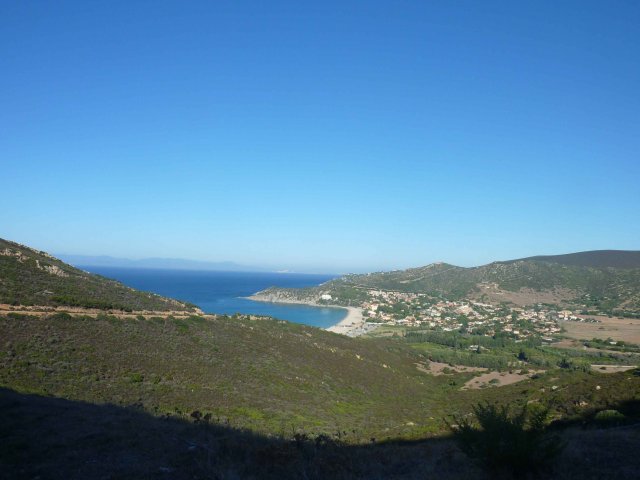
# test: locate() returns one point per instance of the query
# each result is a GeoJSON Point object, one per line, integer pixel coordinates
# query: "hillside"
{"type": "Point", "coordinates": [57, 439]}
{"type": "Point", "coordinates": [254, 372]}
{"type": "Point", "coordinates": [31, 277]}
{"type": "Point", "coordinates": [135, 397]}
{"type": "Point", "coordinates": [594, 258]}
{"type": "Point", "coordinates": [608, 281]}
{"type": "Point", "coordinates": [258, 373]}
{"type": "Point", "coordinates": [150, 396]}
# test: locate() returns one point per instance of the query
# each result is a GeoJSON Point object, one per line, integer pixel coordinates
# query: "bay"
{"type": "Point", "coordinates": [223, 292]}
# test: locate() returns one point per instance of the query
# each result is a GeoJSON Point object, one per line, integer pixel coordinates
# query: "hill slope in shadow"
{"type": "Point", "coordinates": [57, 439]}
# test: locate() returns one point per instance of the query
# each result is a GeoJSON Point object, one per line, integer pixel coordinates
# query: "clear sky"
{"type": "Point", "coordinates": [320, 136]}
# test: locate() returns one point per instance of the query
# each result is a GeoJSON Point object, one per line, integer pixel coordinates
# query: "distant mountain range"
{"type": "Point", "coordinates": [157, 263]}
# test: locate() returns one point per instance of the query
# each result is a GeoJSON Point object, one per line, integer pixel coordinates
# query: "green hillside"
{"type": "Point", "coordinates": [268, 375]}
{"type": "Point", "coordinates": [31, 277]}
{"type": "Point", "coordinates": [586, 279]}
{"type": "Point", "coordinates": [316, 398]}
{"type": "Point", "coordinates": [259, 373]}
{"type": "Point", "coordinates": [594, 258]}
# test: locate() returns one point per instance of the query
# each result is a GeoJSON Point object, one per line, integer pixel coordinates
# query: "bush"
{"type": "Point", "coordinates": [516, 444]}
{"type": "Point", "coordinates": [609, 417]}
{"type": "Point", "coordinates": [565, 363]}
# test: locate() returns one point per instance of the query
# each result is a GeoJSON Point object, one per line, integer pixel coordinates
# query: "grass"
{"type": "Point", "coordinates": [260, 373]}
{"type": "Point", "coordinates": [266, 374]}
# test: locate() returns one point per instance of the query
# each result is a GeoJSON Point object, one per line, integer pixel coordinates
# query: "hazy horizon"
{"type": "Point", "coordinates": [333, 137]}
{"type": "Point", "coordinates": [231, 266]}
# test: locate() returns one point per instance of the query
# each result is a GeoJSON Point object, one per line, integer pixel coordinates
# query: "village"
{"type": "Point", "coordinates": [465, 316]}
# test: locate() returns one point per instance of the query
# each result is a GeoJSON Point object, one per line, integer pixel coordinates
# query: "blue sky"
{"type": "Point", "coordinates": [320, 136]}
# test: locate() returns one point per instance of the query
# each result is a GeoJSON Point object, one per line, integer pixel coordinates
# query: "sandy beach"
{"type": "Point", "coordinates": [353, 325]}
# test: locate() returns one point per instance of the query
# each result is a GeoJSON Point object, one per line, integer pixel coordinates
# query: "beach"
{"type": "Point", "coordinates": [353, 325]}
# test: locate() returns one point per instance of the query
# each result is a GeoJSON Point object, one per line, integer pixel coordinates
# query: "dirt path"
{"type": "Point", "coordinates": [612, 368]}
{"type": "Point", "coordinates": [41, 311]}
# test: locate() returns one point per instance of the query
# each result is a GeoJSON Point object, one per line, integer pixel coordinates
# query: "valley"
{"type": "Point", "coordinates": [404, 365]}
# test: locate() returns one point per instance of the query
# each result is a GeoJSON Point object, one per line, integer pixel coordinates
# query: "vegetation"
{"type": "Point", "coordinates": [595, 258]}
{"type": "Point", "coordinates": [501, 352]}
{"type": "Point", "coordinates": [257, 373]}
{"type": "Point", "coordinates": [267, 375]}
{"type": "Point", "coordinates": [609, 344]}
{"type": "Point", "coordinates": [501, 441]}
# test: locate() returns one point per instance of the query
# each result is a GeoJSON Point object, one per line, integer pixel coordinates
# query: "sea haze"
{"type": "Point", "coordinates": [222, 292]}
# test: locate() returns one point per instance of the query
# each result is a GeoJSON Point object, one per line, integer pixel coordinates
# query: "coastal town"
{"type": "Point", "coordinates": [392, 308]}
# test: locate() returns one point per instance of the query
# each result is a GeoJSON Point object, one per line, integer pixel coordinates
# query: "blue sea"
{"type": "Point", "coordinates": [222, 292]}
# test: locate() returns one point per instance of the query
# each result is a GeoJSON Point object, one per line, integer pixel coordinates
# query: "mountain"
{"type": "Point", "coordinates": [157, 263]}
{"type": "Point", "coordinates": [607, 281]}
{"type": "Point", "coordinates": [32, 277]}
{"type": "Point", "coordinates": [594, 259]}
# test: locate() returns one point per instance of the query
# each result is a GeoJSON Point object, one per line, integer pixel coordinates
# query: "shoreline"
{"type": "Point", "coordinates": [352, 325]}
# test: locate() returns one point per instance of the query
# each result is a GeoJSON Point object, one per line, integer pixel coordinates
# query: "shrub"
{"type": "Point", "coordinates": [609, 417]}
{"type": "Point", "coordinates": [565, 363]}
{"type": "Point", "coordinates": [516, 443]}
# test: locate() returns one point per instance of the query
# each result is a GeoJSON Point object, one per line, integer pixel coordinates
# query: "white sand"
{"type": "Point", "coordinates": [349, 324]}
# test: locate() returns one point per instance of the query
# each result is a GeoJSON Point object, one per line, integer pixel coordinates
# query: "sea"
{"type": "Point", "coordinates": [223, 292]}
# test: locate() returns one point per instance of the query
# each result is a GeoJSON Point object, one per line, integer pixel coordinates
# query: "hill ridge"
{"type": "Point", "coordinates": [607, 281]}
{"type": "Point", "coordinates": [32, 277]}
{"type": "Point", "coordinates": [591, 258]}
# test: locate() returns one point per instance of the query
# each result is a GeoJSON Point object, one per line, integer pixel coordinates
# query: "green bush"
{"type": "Point", "coordinates": [609, 417]}
{"type": "Point", "coordinates": [499, 441]}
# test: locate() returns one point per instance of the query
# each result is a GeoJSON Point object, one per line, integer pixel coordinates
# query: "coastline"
{"type": "Point", "coordinates": [352, 325]}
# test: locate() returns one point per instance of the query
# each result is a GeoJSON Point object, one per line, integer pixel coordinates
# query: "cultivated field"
{"type": "Point", "coordinates": [619, 329]}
